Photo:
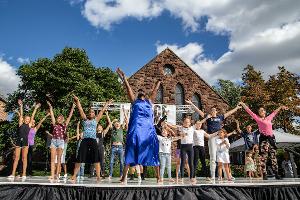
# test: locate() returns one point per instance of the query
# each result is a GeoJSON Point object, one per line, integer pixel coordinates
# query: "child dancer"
{"type": "Point", "coordinates": [165, 144]}
{"type": "Point", "coordinates": [59, 129]}
{"type": "Point", "coordinates": [25, 122]}
{"type": "Point", "coordinates": [223, 145]}
{"type": "Point", "coordinates": [249, 165]}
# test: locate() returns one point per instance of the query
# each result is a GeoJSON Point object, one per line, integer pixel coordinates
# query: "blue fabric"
{"type": "Point", "coordinates": [142, 145]}
{"type": "Point", "coordinates": [116, 149]}
{"type": "Point", "coordinates": [90, 129]}
{"type": "Point", "coordinates": [214, 124]}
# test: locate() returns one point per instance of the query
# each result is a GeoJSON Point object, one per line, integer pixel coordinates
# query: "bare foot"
{"type": "Point", "coordinates": [171, 180]}
{"type": "Point", "coordinates": [193, 181]}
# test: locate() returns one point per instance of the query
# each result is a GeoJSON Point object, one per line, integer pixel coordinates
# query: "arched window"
{"type": "Point", "coordinates": [197, 101]}
{"type": "Point", "coordinates": [179, 100]}
{"type": "Point", "coordinates": [179, 92]}
{"type": "Point", "coordinates": [160, 95]}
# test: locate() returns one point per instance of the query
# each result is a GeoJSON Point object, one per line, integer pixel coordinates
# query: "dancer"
{"type": "Point", "coordinates": [267, 138]}
{"type": "Point", "coordinates": [214, 123]}
{"type": "Point", "coordinates": [249, 165]}
{"type": "Point", "coordinates": [117, 132]}
{"type": "Point", "coordinates": [199, 149]}
{"type": "Point", "coordinates": [88, 150]}
{"type": "Point", "coordinates": [25, 122]}
{"type": "Point", "coordinates": [142, 145]}
{"type": "Point", "coordinates": [31, 136]}
{"type": "Point", "coordinates": [59, 129]}
{"type": "Point", "coordinates": [100, 142]}
{"type": "Point", "coordinates": [250, 137]}
{"type": "Point", "coordinates": [165, 144]}
{"type": "Point", "coordinates": [223, 145]}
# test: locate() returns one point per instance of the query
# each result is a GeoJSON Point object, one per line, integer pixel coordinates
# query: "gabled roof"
{"type": "Point", "coordinates": [164, 52]}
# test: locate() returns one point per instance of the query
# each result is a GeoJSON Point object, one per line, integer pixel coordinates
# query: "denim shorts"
{"type": "Point", "coordinates": [57, 143]}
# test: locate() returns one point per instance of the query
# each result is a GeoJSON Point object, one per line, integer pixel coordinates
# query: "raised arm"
{"type": "Point", "coordinates": [100, 114]}
{"type": "Point", "coordinates": [51, 113]}
{"type": "Point", "coordinates": [78, 130]}
{"type": "Point", "coordinates": [275, 112]}
{"type": "Point", "coordinates": [238, 126]}
{"type": "Point", "coordinates": [110, 124]}
{"type": "Point", "coordinates": [41, 121]}
{"type": "Point", "coordinates": [232, 111]}
{"type": "Point", "coordinates": [36, 107]}
{"type": "Point", "coordinates": [78, 104]}
{"type": "Point", "coordinates": [20, 113]}
{"type": "Point", "coordinates": [232, 133]}
{"type": "Point", "coordinates": [211, 135]}
{"type": "Point", "coordinates": [247, 109]}
{"type": "Point", "coordinates": [201, 113]}
{"type": "Point", "coordinates": [70, 114]}
{"type": "Point", "coordinates": [128, 87]}
{"type": "Point", "coordinates": [154, 91]}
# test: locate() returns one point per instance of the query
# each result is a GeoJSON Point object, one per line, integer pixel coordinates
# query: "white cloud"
{"type": "Point", "coordinates": [101, 13]}
{"type": "Point", "coordinates": [265, 34]}
{"type": "Point", "coordinates": [23, 60]}
{"type": "Point", "coordinates": [8, 79]}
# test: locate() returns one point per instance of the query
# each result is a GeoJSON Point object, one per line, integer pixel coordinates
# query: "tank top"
{"type": "Point", "coordinates": [23, 131]}
{"type": "Point", "coordinates": [31, 137]}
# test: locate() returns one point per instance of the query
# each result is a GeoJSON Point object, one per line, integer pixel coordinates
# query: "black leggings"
{"type": "Point", "coordinates": [199, 153]}
{"type": "Point", "coordinates": [187, 149]}
{"type": "Point", "coordinates": [29, 160]}
{"type": "Point", "coordinates": [101, 155]}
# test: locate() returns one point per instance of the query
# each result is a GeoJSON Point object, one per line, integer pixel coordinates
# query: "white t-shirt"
{"type": "Point", "coordinates": [165, 144]}
{"type": "Point", "coordinates": [199, 137]}
{"type": "Point", "coordinates": [189, 135]}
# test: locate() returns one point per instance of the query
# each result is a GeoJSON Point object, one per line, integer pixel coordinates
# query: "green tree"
{"type": "Point", "coordinates": [284, 89]}
{"type": "Point", "coordinates": [56, 80]}
{"type": "Point", "coordinates": [230, 91]}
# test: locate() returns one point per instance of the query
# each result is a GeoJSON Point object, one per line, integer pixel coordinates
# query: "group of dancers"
{"type": "Point", "coordinates": [147, 143]}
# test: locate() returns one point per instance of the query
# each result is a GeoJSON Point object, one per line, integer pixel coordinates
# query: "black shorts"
{"type": "Point", "coordinates": [88, 151]}
{"type": "Point", "coordinates": [22, 141]}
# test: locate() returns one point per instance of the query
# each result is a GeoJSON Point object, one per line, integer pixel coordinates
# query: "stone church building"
{"type": "Point", "coordinates": [179, 82]}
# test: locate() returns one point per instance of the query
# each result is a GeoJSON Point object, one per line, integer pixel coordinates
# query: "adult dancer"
{"type": "Point", "coordinates": [88, 150]}
{"type": "Point", "coordinates": [142, 146]}
{"type": "Point", "coordinates": [59, 129]}
{"type": "Point", "coordinates": [214, 123]}
{"type": "Point", "coordinates": [25, 122]}
{"type": "Point", "coordinates": [267, 138]}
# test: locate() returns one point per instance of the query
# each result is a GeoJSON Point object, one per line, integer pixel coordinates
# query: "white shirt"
{"type": "Point", "coordinates": [199, 137]}
{"type": "Point", "coordinates": [188, 135]}
{"type": "Point", "coordinates": [165, 144]}
{"type": "Point", "coordinates": [222, 148]}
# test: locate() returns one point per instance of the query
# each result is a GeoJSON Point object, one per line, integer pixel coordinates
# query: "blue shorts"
{"type": "Point", "coordinates": [57, 143]}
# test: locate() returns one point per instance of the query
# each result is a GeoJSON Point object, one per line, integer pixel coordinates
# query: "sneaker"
{"type": "Point", "coordinates": [82, 178]}
{"type": "Point", "coordinates": [65, 176]}
{"type": "Point", "coordinates": [12, 177]}
{"type": "Point", "coordinates": [24, 178]}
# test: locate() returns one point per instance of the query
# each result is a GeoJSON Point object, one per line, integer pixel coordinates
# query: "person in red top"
{"type": "Point", "coordinates": [57, 142]}
{"type": "Point", "coordinates": [267, 141]}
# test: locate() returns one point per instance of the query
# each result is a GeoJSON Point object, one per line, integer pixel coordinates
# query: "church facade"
{"type": "Point", "coordinates": [179, 82]}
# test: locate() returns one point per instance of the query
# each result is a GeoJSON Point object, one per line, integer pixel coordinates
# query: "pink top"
{"type": "Point", "coordinates": [264, 125]}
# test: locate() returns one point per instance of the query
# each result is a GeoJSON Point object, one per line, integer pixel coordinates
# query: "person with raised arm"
{"type": "Point", "coordinates": [214, 123]}
{"type": "Point", "coordinates": [31, 136]}
{"type": "Point", "coordinates": [88, 150]}
{"type": "Point", "coordinates": [25, 123]}
{"type": "Point", "coordinates": [59, 131]}
{"type": "Point", "coordinates": [267, 142]}
{"type": "Point", "coordinates": [142, 146]}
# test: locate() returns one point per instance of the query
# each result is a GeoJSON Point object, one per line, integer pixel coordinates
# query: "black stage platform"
{"type": "Point", "coordinates": [39, 188]}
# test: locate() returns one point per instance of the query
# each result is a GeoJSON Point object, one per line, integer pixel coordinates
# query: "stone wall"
{"type": "Point", "coordinates": [192, 83]}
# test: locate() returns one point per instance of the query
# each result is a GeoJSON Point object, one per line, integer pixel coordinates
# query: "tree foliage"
{"type": "Point", "coordinates": [56, 79]}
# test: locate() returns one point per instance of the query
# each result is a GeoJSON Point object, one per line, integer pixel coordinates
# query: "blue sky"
{"type": "Point", "coordinates": [213, 38]}
{"type": "Point", "coordinates": [42, 28]}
